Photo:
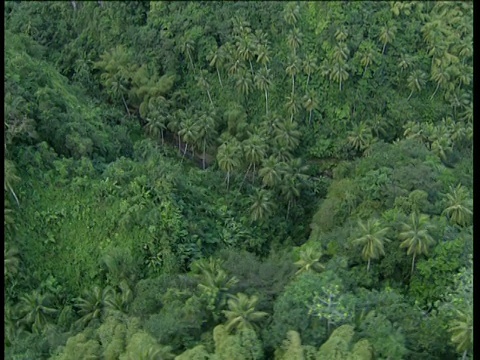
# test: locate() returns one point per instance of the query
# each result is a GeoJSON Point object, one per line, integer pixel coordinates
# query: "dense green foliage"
{"type": "Point", "coordinates": [238, 180]}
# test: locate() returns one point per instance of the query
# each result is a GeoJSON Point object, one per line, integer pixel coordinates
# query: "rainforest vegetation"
{"type": "Point", "coordinates": [238, 180]}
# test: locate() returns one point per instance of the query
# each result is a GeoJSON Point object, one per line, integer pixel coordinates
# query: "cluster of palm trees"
{"type": "Point", "coordinates": [214, 285]}
{"type": "Point", "coordinates": [440, 138]}
{"type": "Point", "coordinates": [448, 37]}
{"type": "Point", "coordinates": [39, 308]}
{"type": "Point", "coordinates": [274, 165]}
{"type": "Point", "coordinates": [415, 234]}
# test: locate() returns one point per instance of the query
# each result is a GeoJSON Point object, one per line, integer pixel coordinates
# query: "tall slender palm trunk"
{"type": "Point", "coordinates": [209, 97]}
{"type": "Point", "coordinates": [126, 107]}
{"type": "Point", "coordinates": [364, 71]}
{"type": "Point", "coordinates": [266, 102]}
{"type": "Point", "coordinates": [204, 148]}
{"type": "Point", "coordinates": [185, 150]}
{"type": "Point", "coordinates": [191, 61]}
{"type": "Point", "coordinates": [438, 85]}
{"type": "Point", "coordinates": [219, 77]}
{"type": "Point", "coordinates": [246, 174]}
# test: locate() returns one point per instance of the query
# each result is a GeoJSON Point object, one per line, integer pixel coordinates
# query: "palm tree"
{"type": "Point", "coordinates": [10, 178]}
{"type": "Point", "coordinates": [270, 172]}
{"type": "Point", "coordinates": [117, 68]}
{"type": "Point", "coordinates": [120, 301]}
{"type": "Point", "coordinates": [432, 29]}
{"type": "Point", "coordinates": [292, 180]}
{"type": "Point", "coordinates": [415, 236]}
{"type": "Point", "coordinates": [292, 69]}
{"type": "Point", "coordinates": [215, 283]}
{"type": "Point", "coordinates": [11, 261]}
{"type": "Point", "coordinates": [459, 206]}
{"type": "Point", "coordinates": [236, 118]}
{"type": "Point", "coordinates": [309, 67]}
{"type": "Point", "coordinates": [372, 239]}
{"type": "Point", "coordinates": [440, 146]}
{"type": "Point", "coordinates": [93, 304]}
{"type": "Point", "coordinates": [187, 47]}
{"type": "Point", "coordinates": [260, 39]}
{"type": "Point", "coordinates": [294, 40]}
{"type": "Point", "coordinates": [203, 83]}
{"type": "Point", "coordinates": [338, 72]}
{"type": "Point", "coordinates": [438, 51]}
{"type": "Point", "coordinates": [175, 123]}
{"type": "Point", "coordinates": [360, 137]}
{"type": "Point", "coordinates": [206, 133]}
{"type": "Point", "coordinates": [463, 75]}
{"type": "Point", "coordinates": [263, 54]}
{"type": "Point", "coordinates": [188, 132]}
{"type": "Point", "coordinates": [240, 26]}
{"type": "Point", "coordinates": [467, 114]}
{"type": "Point", "coordinates": [228, 157]}
{"type": "Point", "coordinates": [281, 154]}
{"type": "Point", "coordinates": [340, 52]}
{"type": "Point", "coordinates": [261, 205]}
{"type": "Point", "coordinates": [309, 260]}
{"type": "Point", "coordinates": [293, 105]}
{"type": "Point", "coordinates": [246, 49]}
{"type": "Point", "coordinates": [206, 265]}
{"type": "Point", "coordinates": [441, 75]}
{"type": "Point", "coordinates": [241, 312]}
{"type": "Point", "coordinates": [462, 332]}
{"type": "Point", "coordinates": [8, 219]}
{"type": "Point", "coordinates": [378, 124]}
{"type": "Point", "coordinates": [291, 13]}
{"type": "Point", "coordinates": [416, 81]}
{"type": "Point", "coordinates": [406, 62]}
{"type": "Point", "coordinates": [254, 150]}
{"type": "Point", "coordinates": [325, 68]}
{"type": "Point", "coordinates": [35, 310]}
{"type": "Point", "coordinates": [464, 49]}
{"type": "Point", "coordinates": [457, 99]}
{"type": "Point", "coordinates": [243, 82]}
{"type": "Point", "coordinates": [287, 135]}
{"type": "Point", "coordinates": [216, 58]}
{"type": "Point", "coordinates": [156, 125]}
{"type": "Point", "coordinates": [457, 131]}
{"type": "Point", "coordinates": [11, 330]}
{"type": "Point", "coordinates": [341, 34]}
{"type": "Point", "coordinates": [310, 103]}
{"type": "Point", "coordinates": [413, 130]}
{"type": "Point", "coordinates": [235, 65]}
{"type": "Point", "coordinates": [263, 82]}
{"type": "Point", "coordinates": [387, 35]}
{"type": "Point", "coordinates": [367, 54]}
